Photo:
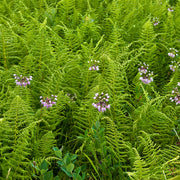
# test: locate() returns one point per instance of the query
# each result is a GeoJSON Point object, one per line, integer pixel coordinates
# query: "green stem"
{"type": "Point", "coordinates": [176, 134]}
{"type": "Point", "coordinates": [4, 51]}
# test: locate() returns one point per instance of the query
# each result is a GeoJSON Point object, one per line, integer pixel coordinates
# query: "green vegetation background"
{"type": "Point", "coordinates": [53, 40]}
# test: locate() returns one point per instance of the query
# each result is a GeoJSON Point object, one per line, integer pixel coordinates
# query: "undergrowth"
{"type": "Point", "coordinates": [89, 89]}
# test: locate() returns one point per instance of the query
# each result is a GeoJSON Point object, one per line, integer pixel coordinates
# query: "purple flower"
{"type": "Point", "coordinates": [176, 95]}
{"type": "Point", "coordinates": [171, 55]}
{"type": "Point", "coordinates": [103, 109]}
{"type": "Point", "coordinates": [155, 21]}
{"type": "Point", "coordinates": [97, 94]}
{"type": "Point", "coordinates": [108, 106]}
{"type": "Point", "coordinates": [173, 52]}
{"type": "Point", "coordinates": [170, 9]}
{"type": "Point", "coordinates": [48, 102]}
{"type": "Point", "coordinates": [171, 99]}
{"type": "Point", "coordinates": [178, 102]}
{"type": "Point", "coordinates": [174, 66]}
{"type": "Point", "coordinates": [142, 70]}
{"type": "Point", "coordinates": [146, 76]}
{"type": "Point", "coordinates": [22, 81]}
{"type": "Point", "coordinates": [101, 102]}
{"type": "Point", "coordinates": [94, 65]}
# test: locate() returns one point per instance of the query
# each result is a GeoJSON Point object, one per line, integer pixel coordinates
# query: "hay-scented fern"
{"type": "Point", "coordinates": [99, 78]}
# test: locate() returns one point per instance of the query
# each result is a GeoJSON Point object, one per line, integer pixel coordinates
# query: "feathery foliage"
{"type": "Point", "coordinates": [87, 99]}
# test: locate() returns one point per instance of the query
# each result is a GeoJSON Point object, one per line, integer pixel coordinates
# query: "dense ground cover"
{"type": "Point", "coordinates": [89, 89]}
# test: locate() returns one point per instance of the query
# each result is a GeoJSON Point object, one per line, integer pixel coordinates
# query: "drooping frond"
{"type": "Point", "coordinates": [15, 138]}
{"type": "Point", "coordinates": [141, 171]}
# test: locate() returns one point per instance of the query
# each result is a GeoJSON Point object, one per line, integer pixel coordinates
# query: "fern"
{"type": "Point", "coordinates": [52, 41]}
{"type": "Point", "coordinates": [15, 137]}
{"type": "Point", "coordinates": [157, 122]}
{"type": "Point", "coordinates": [10, 48]}
{"type": "Point", "coordinates": [114, 139]}
{"type": "Point", "coordinates": [150, 162]}
{"type": "Point", "coordinates": [140, 169]}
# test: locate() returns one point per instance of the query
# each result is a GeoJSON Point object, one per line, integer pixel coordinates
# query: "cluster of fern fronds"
{"type": "Point", "coordinates": [105, 123]}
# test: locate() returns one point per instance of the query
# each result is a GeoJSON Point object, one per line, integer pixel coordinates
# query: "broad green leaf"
{"type": "Point", "coordinates": [74, 156]}
{"type": "Point", "coordinates": [67, 159]}
{"type": "Point", "coordinates": [55, 149]}
{"type": "Point", "coordinates": [65, 170]}
{"type": "Point", "coordinates": [36, 167]}
{"type": "Point", "coordinates": [78, 177]}
{"type": "Point", "coordinates": [44, 165]}
{"type": "Point", "coordinates": [58, 154]}
{"type": "Point", "coordinates": [78, 170]}
{"type": "Point", "coordinates": [70, 167]}
{"type": "Point", "coordinates": [56, 178]}
{"type": "Point", "coordinates": [48, 175]}
{"type": "Point", "coordinates": [60, 163]}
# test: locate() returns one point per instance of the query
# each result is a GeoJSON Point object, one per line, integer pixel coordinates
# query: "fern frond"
{"type": "Point", "coordinates": [141, 171]}
{"type": "Point", "coordinates": [157, 121]}
{"type": "Point", "coordinates": [10, 48]}
{"type": "Point", "coordinates": [15, 139]}
{"type": "Point", "coordinates": [114, 139]}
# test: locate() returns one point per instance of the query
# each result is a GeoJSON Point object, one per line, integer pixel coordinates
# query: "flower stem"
{"type": "Point", "coordinates": [176, 134]}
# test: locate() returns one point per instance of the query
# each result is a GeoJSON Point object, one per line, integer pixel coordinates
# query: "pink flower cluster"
{"type": "Point", "coordinates": [173, 52]}
{"type": "Point", "coordinates": [22, 81]}
{"type": "Point", "coordinates": [101, 102]}
{"type": "Point", "coordinates": [176, 95]}
{"type": "Point", "coordinates": [94, 65]}
{"type": "Point", "coordinates": [48, 102]}
{"type": "Point", "coordinates": [174, 65]}
{"type": "Point", "coordinates": [146, 76]}
{"type": "Point", "coordinates": [171, 9]}
{"type": "Point", "coordinates": [156, 21]}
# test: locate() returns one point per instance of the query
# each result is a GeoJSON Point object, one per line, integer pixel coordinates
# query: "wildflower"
{"type": "Point", "coordinates": [174, 66]}
{"type": "Point", "coordinates": [143, 69]}
{"type": "Point", "coordinates": [175, 95]}
{"type": "Point", "coordinates": [170, 9]}
{"type": "Point", "coordinates": [73, 98]}
{"type": "Point", "coordinates": [173, 52]}
{"type": "Point", "coordinates": [146, 79]}
{"type": "Point", "coordinates": [22, 81]}
{"type": "Point", "coordinates": [156, 21]}
{"type": "Point", "coordinates": [101, 102]}
{"type": "Point", "coordinates": [48, 102]}
{"type": "Point", "coordinates": [94, 65]}
{"type": "Point", "coordinates": [146, 76]}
